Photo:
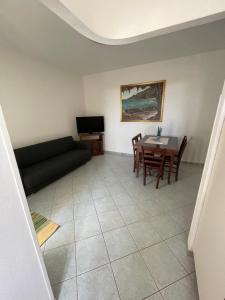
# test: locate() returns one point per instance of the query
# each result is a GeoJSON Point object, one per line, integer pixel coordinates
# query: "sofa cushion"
{"type": "Point", "coordinates": [53, 168]}
{"type": "Point", "coordinates": [33, 154]}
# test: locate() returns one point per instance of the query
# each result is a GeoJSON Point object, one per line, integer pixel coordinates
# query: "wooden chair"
{"type": "Point", "coordinates": [135, 139]}
{"type": "Point", "coordinates": [153, 159]}
{"type": "Point", "coordinates": [177, 160]}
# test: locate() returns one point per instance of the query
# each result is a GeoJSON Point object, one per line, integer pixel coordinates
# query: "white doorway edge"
{"type": "Point", "coordinates": [6, 143]}
{"type": "Point", "coordinates": [209, 162]}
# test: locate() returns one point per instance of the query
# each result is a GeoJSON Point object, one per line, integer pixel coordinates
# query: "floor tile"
{"type": "Point", "coordinates": [64, 235]}
{"type": "Point", "coordinates": [44, 196]}
{"type": "Point", "coordinates": [183, 215]}
{"type": "Point", "coordinates": [115, 189]}
{"type": "Point", "coordinates": [40, 202]}
{"type": "Point", "coordinates": [63, 187]}
{"type": "Point", "coordinates": [82, 193]}
{"type": "Point", "coordinates": [99, 193]}
{"type": "Point", "coordinates": [110, 220]}
{"type": "Point", "coordinates": [97, 284]}
{"type": "Point", "coordinates": [150, 208]}
{"type": "Point", "coordinates": [84, 208]}
{"type": "Point", "coordinates": [133, 278]}
{"type": "Point", "coordinates": [144, 234]}
{"type": "Point", "coordinates": [131, 214]}
{"type": "Point", "coordinates": [194, 278]}
{"type": "Point", "coordinates": [184, 289]}
{"type": "Point", "coordinates": [156, 296]}
{"type": "Point", "coordinates": [63, 200]}
{"type": "Point", "coordinates": [109, 180]}
{"type": "Point", "coordinates": [104, 204]}
{"type": "Point", "coordinates": [178, 245]}
{"type": "Point", "coordinates": [123, 200]}
{"type": "Point", "coordinates": [60, 263]}
{"type": "Point", "coordinates": [67, 290]}
{"type": "Point", "coordinates": [151, 215]}
{"type": "Point", "coordinates": [86, 227]}
{"type": "Point", "coordinates": [169, 202]}
{"type": "Point", "coordinates": [166, 226]}
{"type": "Point", "coordinates": [91, 253]}
{"type": "Point", "coordinates": [119, 243]}
{"type": "Point", "coordinates": [163, 265]}
{"type": "Point", "coordinates": [62, 214]}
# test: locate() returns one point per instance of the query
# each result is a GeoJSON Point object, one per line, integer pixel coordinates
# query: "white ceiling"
{"type": "Point", "coordinates": [31, 28]}
{"type": "Point", "coordinates": [121, 22]}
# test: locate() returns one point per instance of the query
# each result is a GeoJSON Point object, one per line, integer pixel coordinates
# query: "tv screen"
{"type": "Point", "coordinates": [90, 124]}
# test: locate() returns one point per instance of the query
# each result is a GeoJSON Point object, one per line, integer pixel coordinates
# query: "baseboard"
{"type": "Point", "coordinates": [130, 155]}
{"type": "Point", "coordinates": [119, 153]}
{"type": "Point", "coordinates": [193, 163]}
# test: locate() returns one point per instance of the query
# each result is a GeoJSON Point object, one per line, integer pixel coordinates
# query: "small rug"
{"type": "Point", "coordinates": [44, 228]}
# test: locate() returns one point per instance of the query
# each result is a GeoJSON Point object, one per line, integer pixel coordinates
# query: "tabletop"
{"type": "Point", "coordinates": [171, 146]}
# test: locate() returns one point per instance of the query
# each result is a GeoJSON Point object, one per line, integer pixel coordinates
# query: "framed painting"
{"type": "Point", "coordinates": [142, 102]}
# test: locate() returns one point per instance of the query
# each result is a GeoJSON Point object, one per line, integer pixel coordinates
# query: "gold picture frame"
{"type": "Point", "coordinates": [142, 102]}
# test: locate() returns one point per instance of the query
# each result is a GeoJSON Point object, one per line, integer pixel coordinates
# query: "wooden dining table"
{"type": "Point", "coordinates": [172, 148]}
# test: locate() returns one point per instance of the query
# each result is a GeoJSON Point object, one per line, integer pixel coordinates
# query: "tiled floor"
{"type": "Point", "coordinates": [119, 239]}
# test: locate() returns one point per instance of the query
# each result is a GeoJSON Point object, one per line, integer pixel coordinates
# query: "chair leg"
{"type": "Point", "coordinates": [134, 164]}
{"type": "Point", "coordinates": [170, 168]}
{"type": "Point", "coordinates": [177, 172]}
{"type": "Point", "coordinates": [157, 182]}
{"type": "Point", "coordinates": [144, 175]}
{"type": "Point", "coordinates": [162, 175]}
{"type": "Point", "coordinates": [137, 168]}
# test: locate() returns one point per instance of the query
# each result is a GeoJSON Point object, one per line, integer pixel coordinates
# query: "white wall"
{"type": "Point", "coordinates": [22, 273]}
{"type": "Point", "coordinates": [192, 91]}
{"type": "Point", "coordinates": [39, 101]}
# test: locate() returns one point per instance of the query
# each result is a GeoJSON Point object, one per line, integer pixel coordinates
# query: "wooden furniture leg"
{"type": "Point", "coordinates": [171, 167]}
{"type": "Point", "coordinates": [134, 163]}
{"type": "Point", "coordinates": [137, 162]}
{"type": "Point", "coordinates": [145, 174]}
{"type": "Point", "coordinates": [177, 171]}
{"type": "Point", "coordinates": [158, 178]}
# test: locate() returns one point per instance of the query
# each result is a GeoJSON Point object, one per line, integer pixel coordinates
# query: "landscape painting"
{"type": "Point", "coordinates": [142, 101]}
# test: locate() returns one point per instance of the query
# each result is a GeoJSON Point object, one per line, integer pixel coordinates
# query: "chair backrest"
{"type": "Point", "coordinates": [154, 157]}
{"type": "Point", "coordinates": [182, 148]}
{"type": "Point", "coordinates": [136, 138]}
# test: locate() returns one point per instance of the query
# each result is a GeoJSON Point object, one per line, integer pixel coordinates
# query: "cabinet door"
{"type": "Point", "coordinates": [96, 147]}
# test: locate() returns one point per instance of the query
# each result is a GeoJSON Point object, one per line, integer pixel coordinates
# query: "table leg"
{"type": "Point", "coordinates": [137, 162]}
{"type": "Point", "coordinates": [171, 167]}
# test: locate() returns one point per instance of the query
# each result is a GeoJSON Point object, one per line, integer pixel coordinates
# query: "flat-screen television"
{"type": "Point", "coordinates": [90, 124]}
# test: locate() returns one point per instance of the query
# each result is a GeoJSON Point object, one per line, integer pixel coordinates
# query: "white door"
{"type": "Point", "coordinates": [22, 271]}
{"type": "Point", "coordinates": [207, 234]}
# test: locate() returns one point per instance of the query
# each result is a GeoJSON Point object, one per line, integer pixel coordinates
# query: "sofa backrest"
{"type": "Point", "coordinates": [33, 154]}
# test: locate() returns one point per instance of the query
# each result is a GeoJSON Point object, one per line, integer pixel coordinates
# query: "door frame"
{"type": "Point", "coordinates": [19, 197]}
{"type": "Point", "coordinates": [207, 170]}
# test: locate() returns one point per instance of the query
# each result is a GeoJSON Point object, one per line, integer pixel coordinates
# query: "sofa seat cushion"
{"type": "Point", "coordinates": [53, 168]}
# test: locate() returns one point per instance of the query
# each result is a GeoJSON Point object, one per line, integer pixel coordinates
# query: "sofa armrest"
{"type": "Point", "coordinates": [81, 145]}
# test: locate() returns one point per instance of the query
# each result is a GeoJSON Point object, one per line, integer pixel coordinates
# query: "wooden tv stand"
{"type": "Point", "coordinates": [95, 140]}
